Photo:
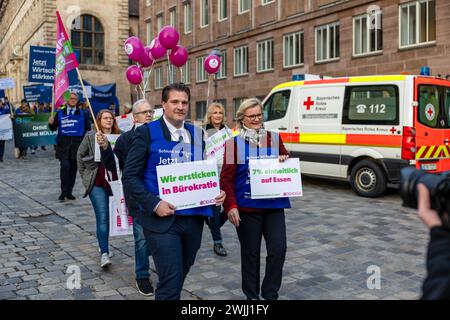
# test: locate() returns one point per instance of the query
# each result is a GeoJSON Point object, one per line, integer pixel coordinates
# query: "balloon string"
{"type": "Point", "coordinates": [146, 81]}
{"type": "Point", "coordinates": [207, 95]}
{"type": "Point", "coordinates": [181, 72]}
{"type": "Point", "coordinates": [141, 84]}
{"type": "Point", "coordinates": [168, 67]}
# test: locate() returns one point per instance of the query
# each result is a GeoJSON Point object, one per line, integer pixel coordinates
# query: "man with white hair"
{"type": "Point", "coordinates": [142, 113]}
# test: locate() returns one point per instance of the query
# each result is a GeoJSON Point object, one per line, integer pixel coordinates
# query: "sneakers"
{"type": "Point", "coordinates": [70, 197]}
{"type": "Point", "coordinates": [220, 250]}
{"type": "Point", "coordinates": [62, 197]}
{"type": "Point", "coordinates": [144, 286]}
{"type": "Point", "coordinates": [110, 254]}
{"type": "Point", "coordinates": [104, 260]}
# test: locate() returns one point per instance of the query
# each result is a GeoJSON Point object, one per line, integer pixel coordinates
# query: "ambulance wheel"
{"type": "Point", "coordinates": [368, 179]}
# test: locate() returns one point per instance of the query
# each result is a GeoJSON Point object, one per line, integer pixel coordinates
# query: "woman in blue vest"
{"type": "Point", "coordinates": [255, 219]}
{"type": "Point", "coordinates": [93, 176]}
{"type": "Point", "coordinates": [24, 110]}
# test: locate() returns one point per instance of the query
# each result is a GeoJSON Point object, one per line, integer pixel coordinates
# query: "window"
{"type": "Point", "coordinates": [187, 17]}
{"type": "Point", "coordinates": [327, 42]}
{"type": "Point", "coordinates": [371, 105]}
{"type": "Point", "coordinates": [159, 22]}
{"type": "Point", "coordinates": [293, 45]}
{"type": "Point", "coordinates": [367, 34]}
{"type": "Point", "coordinates": [447, 107]}
{"type": "Point", "coordinates": [417, 23]}
{"type": "Point", "coordinates": [264, 2]}
{"type": "Point", "coordinates": [87, 36]}
{"type": "Point", "coordinates": [148, 26]}
{"type": "Point", "coordinates": [172, 74]}
{"type": "Point", "coordinates": [204, 13]}
{"type": "Point", "coordinates": [223, 9]}
{"type": "Point", "coordinates": [276, 106]}
{"type": "Point", "coordinates": [158, 78]}
{"type": "Point", "coordinates": [173, 16]}
{"type": "Point", "coordinates": [222, 73]}
{"type": "Point", "coordinates": [428, 111]}
{"type": "Point", "coordinates": [241, 61]}
{"type": "Point", "coordinates": [265, 56]}
{"type": "Point", "coordinates": [186, 72]}
{"type": "Point", "coordinates": [244, 6]}
{"type": "Point", "coordinates": [200, 110]}
{"type": "Point", "coordinates": [148, 3]}
{"type": "Point", "coordinates": [201, 72]}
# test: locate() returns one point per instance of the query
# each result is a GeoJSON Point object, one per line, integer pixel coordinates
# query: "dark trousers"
{"type": "Point", "coordinates": [68, 174]}
{"type": "Point", "coordinates": [269, 224]}
{"type": "Point", "coordinates": [2, 149]}
{"type": "Point", "coordinates": [174, 253]}
{"type": "Point", "coordinates": [214, 224]}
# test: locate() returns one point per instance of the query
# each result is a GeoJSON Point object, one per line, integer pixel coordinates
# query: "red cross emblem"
{"type": "Point", "coordinates": [392, 130]}
{"type": "Point", "coordinates": [308, 103]}
{"type": "Point", "coordinates": [430, 113]}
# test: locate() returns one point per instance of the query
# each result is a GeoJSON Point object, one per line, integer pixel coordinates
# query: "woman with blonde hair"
{"type": "Point", "coordinates": [93, 176]}
{"type": "Point", "coordinates": [255, 218]}
{"type": "Point", "coordinates": [215, 121]}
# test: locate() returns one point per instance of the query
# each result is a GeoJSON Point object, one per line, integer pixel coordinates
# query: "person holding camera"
{"type": "Point", "coordinates": [437, 283]}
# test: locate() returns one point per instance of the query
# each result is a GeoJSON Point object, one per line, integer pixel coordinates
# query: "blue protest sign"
{"type": "Point", "coordinates": [38, 93]}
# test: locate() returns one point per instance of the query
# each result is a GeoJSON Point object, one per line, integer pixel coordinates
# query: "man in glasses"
{"type": "Point", "coordinates": [142, 113]}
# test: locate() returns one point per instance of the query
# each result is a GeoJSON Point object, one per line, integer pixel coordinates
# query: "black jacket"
{"type": "Point", "coordinates": [437, 283]}
{"type": "Point", "coordinates": [66, 146]}
{"type": "Point", "coordinates": [133, 179]}
{"type": "Point", "coordinates": [121, 149]}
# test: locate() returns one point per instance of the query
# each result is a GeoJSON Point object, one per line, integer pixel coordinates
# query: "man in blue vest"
{"type": "Point", "coordinates": [72, 124]}
{"type": "Point", "coordinates": [174, 236]}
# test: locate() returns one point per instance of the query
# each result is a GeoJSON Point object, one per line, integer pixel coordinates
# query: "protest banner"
{"type": "Point", "coordinates": [270, 178]}
{"type": "Point", "coordinates": [189, 184]}
{"type": "Point", "coordinates": [7, 83]}
{"type": "Point", "coordinates": [112, 138]}
{"type": "Point", "coordinates": [32, 130]}
{"type": "Point", "coordinates": [215, 145]}
{"type": "Point", "coordinates": [5, 127]}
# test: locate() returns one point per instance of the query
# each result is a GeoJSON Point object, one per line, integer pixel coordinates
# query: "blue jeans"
{"type": "Point", "coordinates": [214, 225]}
{"type": "Point", "coordinates": [141, 251]}
{"type": "Point", "coordinates": [100, 201]}
{"type": "Point", "coordinates": [174, 253]}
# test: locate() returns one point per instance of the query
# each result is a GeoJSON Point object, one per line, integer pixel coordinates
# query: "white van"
{"type": "Point", "coordinates": [364, 129]}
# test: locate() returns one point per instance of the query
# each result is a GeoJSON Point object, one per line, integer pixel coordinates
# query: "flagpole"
{"type": "Point", "coordinates": [87, 99]}
{"type": "Point", "coordinates": [53, 100]}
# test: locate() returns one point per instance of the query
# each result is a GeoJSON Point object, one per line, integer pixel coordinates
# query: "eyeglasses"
{"type": "Point", "coordinates": [254, 116]}
{"type": "Point", "coordinates": [145, 112]}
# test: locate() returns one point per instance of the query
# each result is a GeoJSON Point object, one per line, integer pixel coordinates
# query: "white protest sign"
{"type": "Point", "coordinates": [189, 184]}
{"type": "Point", "coordinates": [270, 178]}
{"type": "Point", "coordinates": [158, 113]}
{"type": "Point", "coordinates": [5, 127]}
{"type": "Point", "coordinates": [125, 122]}
{"type": "Point", "coordinates": [112, 138]}
{"type": "Point", "coordinates": [215, 145]}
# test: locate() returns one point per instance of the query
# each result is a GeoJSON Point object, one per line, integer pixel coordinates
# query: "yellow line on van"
{"type": "Point", "coordinates": [289, 84]}
{"type": "Point", "coordinates": [421, 150]}
{"type": "Point", "coordinates": [322, 138]}
{"type": "Point", "coordinates": [376, 78]}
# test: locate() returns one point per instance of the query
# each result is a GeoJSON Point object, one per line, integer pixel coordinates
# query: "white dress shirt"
{"type": "Point", "coordinates": [175, 133]}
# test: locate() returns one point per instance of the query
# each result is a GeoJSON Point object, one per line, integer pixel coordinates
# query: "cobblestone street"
{"type": "Point", "coordinates": [333, 237]}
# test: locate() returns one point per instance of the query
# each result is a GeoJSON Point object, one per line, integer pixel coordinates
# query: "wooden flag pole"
{"type": "Point", "coordinates": [87, 99]}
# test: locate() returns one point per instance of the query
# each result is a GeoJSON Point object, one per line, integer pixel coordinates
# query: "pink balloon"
{"type": "Point", "coordinates": [168, 37]}
{"type": "Point", "coordinates": [178, 56]}
{"type": "Point", "coordinates": [134, 75]}
{"type": "Point", "coordinates": [212, 64]}
{"type": "Point", "coordinates": [145, 59]}
{"type": "Point", "coordinates": [134, 48]}
{"type": "Point", "coordinates": [156, 49]}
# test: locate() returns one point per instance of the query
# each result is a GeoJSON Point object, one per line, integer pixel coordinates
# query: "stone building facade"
{"type": "Point", "coordinates": [331, 38]}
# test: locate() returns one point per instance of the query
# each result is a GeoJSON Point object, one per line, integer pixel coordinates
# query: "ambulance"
{"type": "Point", "coordinates": [363, 129]}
